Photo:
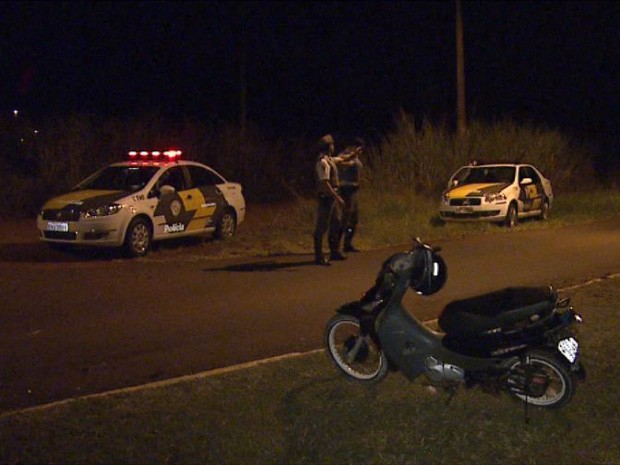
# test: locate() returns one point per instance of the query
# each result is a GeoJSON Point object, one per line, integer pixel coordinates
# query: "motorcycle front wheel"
{"type": "Point", "coordinates": [542, 380]}
{"type": "Point", "coordinates": [357, 356]}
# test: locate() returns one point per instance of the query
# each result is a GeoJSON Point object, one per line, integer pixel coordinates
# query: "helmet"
{"type": "Point", "coordinates": [434, 274]}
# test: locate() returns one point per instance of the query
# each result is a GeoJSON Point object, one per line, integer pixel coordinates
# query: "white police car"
{"type": "Point", "coordinates": [150, 197]}
{"type": "Point", "coordinates": [503, 192]}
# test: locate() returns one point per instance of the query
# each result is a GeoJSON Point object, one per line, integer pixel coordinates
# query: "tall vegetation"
{"type": "Point", "coordinates": [37, 162]}
{"type": "Point", "coordinates": [423, 158]}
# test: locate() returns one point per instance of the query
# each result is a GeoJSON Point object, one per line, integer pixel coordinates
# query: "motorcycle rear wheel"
{"type": "Point", "coordinates": [357, 357]}
{"type": "Point", "coordinates": [552, 385]}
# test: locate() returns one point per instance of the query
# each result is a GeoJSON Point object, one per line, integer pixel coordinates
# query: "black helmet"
{"type": "Point", "coordinates": [434, 274]}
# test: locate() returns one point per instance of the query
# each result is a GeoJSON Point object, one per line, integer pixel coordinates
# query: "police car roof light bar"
{"type": "Point", "coordinates": [170, 155]}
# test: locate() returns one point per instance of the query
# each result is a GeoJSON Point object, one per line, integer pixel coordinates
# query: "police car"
{"type": "Point", "coordinates": [503, 192]}
{"type": "Point", "coordinates": [153, 195]}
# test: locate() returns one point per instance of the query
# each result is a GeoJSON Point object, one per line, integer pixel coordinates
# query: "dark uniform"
{"type": "Point", "coordinates": [348, 188]}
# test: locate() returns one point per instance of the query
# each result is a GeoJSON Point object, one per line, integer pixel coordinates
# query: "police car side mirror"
{"type": "Point", "coordinates": [166, 190]}
{"type": "Point", "coordinates": [526, 181]}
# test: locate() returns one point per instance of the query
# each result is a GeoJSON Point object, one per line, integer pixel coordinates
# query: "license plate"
{"type": "Point", "coordinates": [464, 209]}
{"type": "Point", "coordinates": [569, 348]}
{"type": "Point", "coordinates": [58, 226]}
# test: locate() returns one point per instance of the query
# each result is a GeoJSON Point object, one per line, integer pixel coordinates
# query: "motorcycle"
{"type": "Point", "coordinates": [519, 340]}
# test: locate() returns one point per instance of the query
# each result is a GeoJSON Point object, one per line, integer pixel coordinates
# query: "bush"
{"type": "Point", "coordinates": [36, 164]}
{"type": "Point", "coordinates": [424, 159]}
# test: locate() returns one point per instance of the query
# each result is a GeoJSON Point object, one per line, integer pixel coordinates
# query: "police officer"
{"type": "Point", "coordinates": [349, 173]}
{"type": "Point", "coordinates": [330, 203]}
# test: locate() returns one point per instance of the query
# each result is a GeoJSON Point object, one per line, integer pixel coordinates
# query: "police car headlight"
{"type": "Point", "coordinates": [491, 198]}
{"type": "Point", "coordinates": [445, 200]}
{"type": "Point", "coordinates": [104, 210]}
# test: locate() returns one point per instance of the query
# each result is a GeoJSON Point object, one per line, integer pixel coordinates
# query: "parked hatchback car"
{"type": "Point", "coordinates": [503, 192]}
{"type": "Point", "coordinates": [151, 196]}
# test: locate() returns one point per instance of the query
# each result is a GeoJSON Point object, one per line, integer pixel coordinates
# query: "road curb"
{"type": "Point", "coordinates": [162, 383]}
{"type": "Point", "coordinates": [229, 369]}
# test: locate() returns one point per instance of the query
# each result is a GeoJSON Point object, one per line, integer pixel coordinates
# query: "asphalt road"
{"type": "Point", "coordinates": [72, 325]}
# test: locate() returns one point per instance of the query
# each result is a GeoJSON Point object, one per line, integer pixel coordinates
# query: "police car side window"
{"type": "Point", "coordinates": [173, 177]}
{"type": "Point", "coordinates": [534, 175]}
{"type": "Point", "coordinates": [527, 172]}
{"type": "Point", "coordinates": [202, 177]}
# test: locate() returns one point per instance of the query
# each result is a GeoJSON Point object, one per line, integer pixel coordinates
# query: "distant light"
{"type": "Point", "coordinates": [15, 112]}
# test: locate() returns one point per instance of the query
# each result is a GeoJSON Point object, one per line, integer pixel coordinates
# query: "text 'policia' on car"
{"type": "Point", "coordinates": [154, 195]}
{"type": "Point", "coordinates": [502, 192]}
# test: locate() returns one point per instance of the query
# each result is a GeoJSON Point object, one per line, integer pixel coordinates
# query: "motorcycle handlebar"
{"type": "Point", "coordinates": [418, 243]}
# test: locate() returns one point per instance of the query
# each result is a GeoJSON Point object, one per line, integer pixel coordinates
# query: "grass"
{"type": "Point", "coordinates": [301, 411]}
{"type": "Point", "coordinates": [386, 219]}
{"type": "Point", "coordinates": [420, 157]}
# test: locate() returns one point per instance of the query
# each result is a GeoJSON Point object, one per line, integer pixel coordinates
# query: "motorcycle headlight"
{"type": "Point", "coordinates": [491, 198]}
{"type": "Point", "coordinates": [104, 210]}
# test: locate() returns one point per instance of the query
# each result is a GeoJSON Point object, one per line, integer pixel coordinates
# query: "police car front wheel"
{"type": "Point", "coordinates": [138, 238]}
{"type": "Point", "coordinates": [512, 216]}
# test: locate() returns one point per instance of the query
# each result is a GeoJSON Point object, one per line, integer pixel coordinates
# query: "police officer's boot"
{"type": "Point", "coordinates": [319, 259]}
{"type": "Point", "coordinates": [333, 247]}
{"type": "Point", "coordinates": [348, 238]}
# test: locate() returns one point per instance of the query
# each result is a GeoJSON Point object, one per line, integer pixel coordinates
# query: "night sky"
{"type": "Point", "coordinates": [314, 67]}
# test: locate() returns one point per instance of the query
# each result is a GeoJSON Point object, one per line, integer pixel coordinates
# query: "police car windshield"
{"type": "Point", "coordinates": [492, 174]}
{"type": "Point", "coordinates": [121, 178]}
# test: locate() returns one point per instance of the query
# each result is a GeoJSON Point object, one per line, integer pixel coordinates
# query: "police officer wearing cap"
{"type": "Point", "coordinates": [330, 203]}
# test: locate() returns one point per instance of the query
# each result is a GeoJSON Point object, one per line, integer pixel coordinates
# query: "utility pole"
{"type": "Point", "coordinates": [461, 125]}
{"type": "Point", "coordinates": [242, 55]}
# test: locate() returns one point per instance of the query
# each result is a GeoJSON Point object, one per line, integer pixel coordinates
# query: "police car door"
{"type": "Point", "coordinates": [208, 201]}
{"type": "Point", "coordinates": [172, 216]}
{"type": "Point", "coordinates": [531, 189]}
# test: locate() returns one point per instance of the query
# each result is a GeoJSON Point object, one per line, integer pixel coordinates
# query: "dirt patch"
{"type": "Point", "coordinates": [18, 231]}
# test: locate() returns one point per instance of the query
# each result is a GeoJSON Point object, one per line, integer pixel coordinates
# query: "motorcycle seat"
{"type": "Point", "coordinates": [499, 309]}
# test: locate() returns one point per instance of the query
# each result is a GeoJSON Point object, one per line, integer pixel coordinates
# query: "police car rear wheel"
{"type": "Point", "coordinates": [138, 238]}
{"type": "Point", "coordinates": [227, 226]}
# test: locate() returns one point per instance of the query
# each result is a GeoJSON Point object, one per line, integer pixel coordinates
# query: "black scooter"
{"type": "Point", "coordinates": [518, 340]}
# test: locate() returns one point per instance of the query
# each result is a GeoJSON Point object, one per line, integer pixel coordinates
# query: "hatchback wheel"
{"type": "Point", "coordinates": [512, 216]}
{"type": "Point", "coordinates": [544, 210]}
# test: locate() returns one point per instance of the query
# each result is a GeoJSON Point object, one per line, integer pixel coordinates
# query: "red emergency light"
{"type": "Point", "coordinates": [155, 155]}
